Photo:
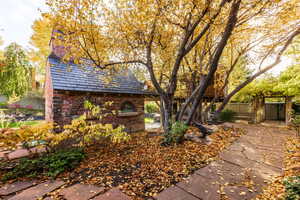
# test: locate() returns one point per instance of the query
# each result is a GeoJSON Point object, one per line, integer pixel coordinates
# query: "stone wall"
{"type": "Point", "coordinates": [68, 105]}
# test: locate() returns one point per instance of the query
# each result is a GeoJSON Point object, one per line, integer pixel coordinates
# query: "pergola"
{"type": "Point", "coordinates": [258, 106]}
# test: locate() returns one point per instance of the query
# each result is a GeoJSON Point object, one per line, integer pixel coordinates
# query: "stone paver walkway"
{"type": "Point", "coordinates": [33, 191]}
{"type": "Point", "coordinates": [243, 169]}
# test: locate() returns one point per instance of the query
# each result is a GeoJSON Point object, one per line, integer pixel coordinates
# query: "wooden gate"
{"type": "Point", "coordinates": [275, 111]}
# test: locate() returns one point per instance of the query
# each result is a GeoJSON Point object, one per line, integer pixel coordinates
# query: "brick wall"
{"type": "Point", "coordinates": [48, 96]}
{"type": "Point", "coordinates": [69, 104]}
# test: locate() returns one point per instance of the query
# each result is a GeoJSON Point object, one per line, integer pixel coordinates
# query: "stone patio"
{"type": "Point", "coordinates": [243, 169]}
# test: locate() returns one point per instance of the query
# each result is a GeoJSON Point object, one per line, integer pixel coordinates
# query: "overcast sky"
{"type": "Point", "coordinates": [16, 18]}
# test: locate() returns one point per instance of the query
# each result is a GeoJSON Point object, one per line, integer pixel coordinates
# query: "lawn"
{"type": "Point", "coordinates": [21, 123]}
{"type": "Point", "coordinates": [24, 123]}
{"type": "Point", "coordinates": [149, 120]}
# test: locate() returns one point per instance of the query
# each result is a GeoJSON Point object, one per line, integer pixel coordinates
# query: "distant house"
{"type": "Point", "coordinates": [68, 86]}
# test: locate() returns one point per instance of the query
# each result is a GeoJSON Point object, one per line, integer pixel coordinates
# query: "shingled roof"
{"type": "Point", "coordinates": [73, 78]}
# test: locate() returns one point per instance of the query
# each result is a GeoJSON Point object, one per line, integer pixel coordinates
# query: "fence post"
{"type": "Point", "coordinates": [288, 110]}
{"type": "Point", "coordinates": [258, 107]}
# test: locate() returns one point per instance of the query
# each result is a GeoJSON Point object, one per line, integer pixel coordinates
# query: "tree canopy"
{"type": "Point", "coordinates": [42, 29]}
{"type": "Point", "coordinates": [174, 40]}
{"type": "Point", "coordinates": [14, 71]}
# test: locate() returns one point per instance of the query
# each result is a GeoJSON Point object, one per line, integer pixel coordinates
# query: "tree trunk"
{"type": "Point", "coordinates": [167, 106]}
{"type": "Point", "coordinates": [231, 22]}
{"type": "Point", "coordinates": [162, 113]}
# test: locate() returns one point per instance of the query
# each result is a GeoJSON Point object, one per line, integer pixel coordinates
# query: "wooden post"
{"type": "Point", "coordinates": [258, 107]}
{"type": "Point", "coordinates": [288, 110]}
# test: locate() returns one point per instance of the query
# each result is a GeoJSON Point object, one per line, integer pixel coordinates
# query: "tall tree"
{"type": "Point", "coordinates": [161, 35]}
{"type": "Point", "coordinates": [42, 29]}
{"type": "Point", "coordinates": [14, 71]}
{"type": "Point", "coordinates": [276, 61]}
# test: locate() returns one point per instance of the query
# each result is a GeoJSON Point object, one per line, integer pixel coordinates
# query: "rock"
{"type": "Point", "coordinates": [194, 133]}
{"type": "Point", "coordinates": [208, 140]}
{"type": "Point", "coordinates": [193, 137]}
{"type": "Point", "coordinates": [213, 128]}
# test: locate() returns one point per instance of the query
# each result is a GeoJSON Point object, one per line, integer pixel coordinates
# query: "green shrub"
{"type": "Point", "coordinates": [227, 115]}
{"type": "Point", "coordinates": [48, 165]}
{"type": "Point", "coordinates": [3, 105]}
{"type": "Point", "coordinates": [151, 107]}
{"type": "Point", "coordinates": [292, 188]}
{"type": "Point", "coordinates": [176, 134]}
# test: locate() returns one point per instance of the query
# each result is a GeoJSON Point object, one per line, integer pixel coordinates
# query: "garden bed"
{"type": "Point", "coordinates": [142, 167]}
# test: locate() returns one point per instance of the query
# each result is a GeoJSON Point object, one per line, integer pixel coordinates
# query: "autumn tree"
{"type": "Point", "coordinates": [14, 71]}
{"type": "Point", "coordinates": [165, 37]}
{"type": "Point", "coordinates": [42, 29]}
{"type": "Point", "coordinates": [156, 34]}
{"type": "Point", "coordinates": [284, 25]}
{"type": "Point", "coordinates": [261, 71]}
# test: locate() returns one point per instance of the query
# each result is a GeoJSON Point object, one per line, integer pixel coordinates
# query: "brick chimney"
{"type": "Point", "coordinates": [57, 49]}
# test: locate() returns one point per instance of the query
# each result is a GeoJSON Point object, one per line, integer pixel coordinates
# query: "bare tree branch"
{"type": "Point", "coordinates": [257, 74]}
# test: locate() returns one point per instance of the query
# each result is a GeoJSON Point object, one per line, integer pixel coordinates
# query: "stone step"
{"type": "Point", "coordinates": [15, 187]}
{"type": "Point", "coordinates": [175, 193]}
{"type": "Point", "coordinates": [38, 191]}
{"type": "Point", "coordinates": [113, 194]}
{"type": "Point", "coordinates": [4, 155]}
{"type": "Point", "coordinates": [19, 153]}
{"type": "Point", "coordinates": [81, 192]}
{"type": "Point", "coordinates": [200, 187]}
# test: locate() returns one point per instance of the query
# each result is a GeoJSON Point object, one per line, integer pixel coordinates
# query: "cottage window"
{"type": "Point", "coordinates": [127, 107]}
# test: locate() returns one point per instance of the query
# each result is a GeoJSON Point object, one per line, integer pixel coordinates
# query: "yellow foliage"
{"type": "Point", "coordinates": [11, 138]}
{"type": "Point", "coordinates": [81, 131]}
{"type": "Point", "coordinates": [121, 31]}
{"type": "Point", "coordinates": [42, 29]}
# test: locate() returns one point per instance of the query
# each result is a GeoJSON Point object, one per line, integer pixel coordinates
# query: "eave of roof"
{"type": "Point", "coordinates": [70, 77]}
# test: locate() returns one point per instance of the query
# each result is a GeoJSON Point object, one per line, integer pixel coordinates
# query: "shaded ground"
{"type": "Point", "coordinates": [142, 167]}
{"type": "Point", "coordinates": [243, 169]}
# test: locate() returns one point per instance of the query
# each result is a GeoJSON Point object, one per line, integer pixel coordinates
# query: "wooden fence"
{"type": "Point", "coordinates": [243, 110]}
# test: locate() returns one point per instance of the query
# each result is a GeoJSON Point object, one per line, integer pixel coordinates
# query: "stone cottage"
{"type": "Point", "coordinates": [68, 86]}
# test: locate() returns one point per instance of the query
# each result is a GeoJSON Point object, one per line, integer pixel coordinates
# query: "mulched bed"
{"type": "Point", "coordinates": [142, 167]}
{"type": "Point", "coordinates": [276, 189]}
